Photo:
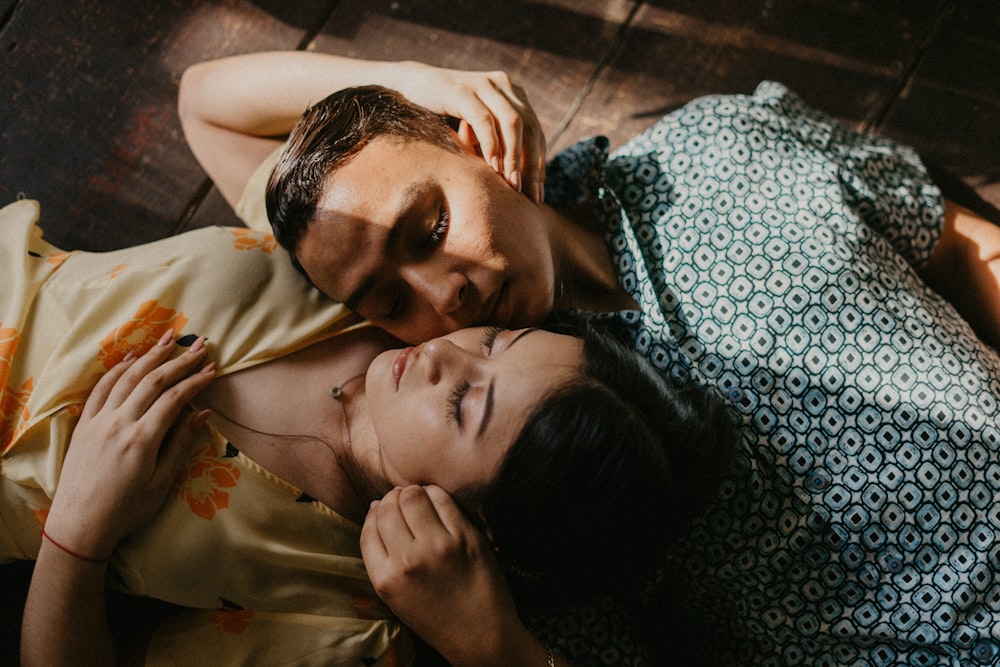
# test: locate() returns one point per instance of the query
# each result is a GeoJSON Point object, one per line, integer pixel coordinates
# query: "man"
{"type": "Point", "coordinates": [756, 247]}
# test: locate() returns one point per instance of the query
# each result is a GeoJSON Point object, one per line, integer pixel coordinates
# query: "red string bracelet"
{"type": "Point", "coordinates": [89, 559]}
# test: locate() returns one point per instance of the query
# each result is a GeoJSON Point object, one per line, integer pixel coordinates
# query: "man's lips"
{"type": "Point", "coordinates": [399, 364]}
{"type": "Point", "coordinates": [496, 309]}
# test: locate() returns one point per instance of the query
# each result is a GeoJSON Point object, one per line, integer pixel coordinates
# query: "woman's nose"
{"type": "Point", "coordinates": [442, 358]}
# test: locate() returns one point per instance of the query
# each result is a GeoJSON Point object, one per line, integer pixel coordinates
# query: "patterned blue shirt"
{"type": "Point", "coordinates": [773, 254]}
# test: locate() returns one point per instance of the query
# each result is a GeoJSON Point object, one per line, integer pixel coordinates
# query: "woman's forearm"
{"type": "Point", "coordinates": [65, 618]}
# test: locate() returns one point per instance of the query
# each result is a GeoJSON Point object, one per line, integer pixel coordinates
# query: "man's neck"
{"type": "Point", "coordinates": [586, 278]}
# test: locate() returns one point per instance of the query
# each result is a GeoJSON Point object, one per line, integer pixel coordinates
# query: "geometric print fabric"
{"type": "Point", "coordinates": [773, 253]}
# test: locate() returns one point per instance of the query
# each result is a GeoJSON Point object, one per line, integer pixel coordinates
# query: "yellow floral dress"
{"type": "Point", "coordinates": [269, 575]}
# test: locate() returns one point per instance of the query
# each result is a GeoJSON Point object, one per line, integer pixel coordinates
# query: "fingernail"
{"type": "Point", "coordinates": [495, 163]}
{"type": "Point", "coordinates": [373, 504]}
{"type": "Point", "coordinates": [198, 345]}
{"type": "Point", "coordinates": [515, 180]}
{"type": "Point", "coordinates": [130, 356]}
{"type": "Point", "coordinates": [201, 419]}
{"type": "Point", "coordinates": [167, 337]}
{"type": "Point", "coordinates": [209, 368]}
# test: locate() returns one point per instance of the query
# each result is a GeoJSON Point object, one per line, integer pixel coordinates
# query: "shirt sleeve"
{"type": "Point", "coordinates": [884, 182]}
{"type": "Point", "coordinates": [251, 208]}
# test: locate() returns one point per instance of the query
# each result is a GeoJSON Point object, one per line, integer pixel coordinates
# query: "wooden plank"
{"type": "Point", "coordinates": [14, 580]}
{"type": "Point", "coordinates": [951, 110]}
{"type": "Point", "coordinates": [6, 12]}
{"type": "Point", "coordinates": [676, 51]}
{"type": "Point", "coordinates": [551, 49]}
{"type": "Point", "coordinates": [89, 123]}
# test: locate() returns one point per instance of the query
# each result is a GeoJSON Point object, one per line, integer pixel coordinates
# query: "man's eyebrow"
{"type": "Point", "coordinates": [408, 202]}
{"type": "Point", "coordinates": [488, 409]}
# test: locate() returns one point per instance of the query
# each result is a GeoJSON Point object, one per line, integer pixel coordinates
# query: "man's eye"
{"type": "Point", "coordinates": [440, 228]}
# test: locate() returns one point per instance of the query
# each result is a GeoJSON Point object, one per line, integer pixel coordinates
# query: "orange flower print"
{"type": "Point", "coordinates": [8, 344]}
{"type": "Point", "coordinates": [247, 239]}
{"type": "Point", "coordinates": [401, 650]}
{"type": "Point", "coordinates": [202, 484]}
{"type": "Point", "coordinates": [40, 516]}
{"type": "Point", "coordinates": [14, 413]}
{"type": "Point", "coordinates": [140, 333]}
{"type": "Point", "coordinates": [118, 270]}
{"type": "Point", "coordinates": [364, 608]}
{"type": "Point", "coordinates": [57, 258]}
{"type": "Point", "coordinates": [231, 621]}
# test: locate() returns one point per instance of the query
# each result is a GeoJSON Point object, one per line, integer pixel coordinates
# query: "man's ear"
{"type": "Point", "coordinates": [467, 140]}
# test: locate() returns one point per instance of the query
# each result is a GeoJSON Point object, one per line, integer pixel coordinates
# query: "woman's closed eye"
{"type": "Point", "coordinates": [487, 339]}
{"type": "Point", "coordinates": [455, 402]}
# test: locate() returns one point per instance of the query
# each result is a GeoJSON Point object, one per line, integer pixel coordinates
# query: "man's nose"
{"type": "Point", "coordinates": [443, 290]}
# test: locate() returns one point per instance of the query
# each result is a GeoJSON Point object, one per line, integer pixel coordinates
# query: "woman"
{"type": "Point", "coordinates": [319, 432]}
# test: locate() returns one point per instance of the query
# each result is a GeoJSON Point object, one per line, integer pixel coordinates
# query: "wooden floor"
{"type": "Point", "coordinates": [87, 88]}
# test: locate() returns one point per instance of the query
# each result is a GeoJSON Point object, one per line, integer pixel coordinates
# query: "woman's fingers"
{"type": "Point", "coordinates": [176, 448]}
{"type": "Point", "coordinates": [140, 368]}
{"type": "Point", "coordinates": [105, 385]}
{"type": "Point", "coordinates": [154, 374]}
{"type": "Point", "coordinates": [446, 511]}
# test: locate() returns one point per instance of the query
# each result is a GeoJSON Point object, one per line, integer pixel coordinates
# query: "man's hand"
{"type": "Point", "coordinates": [496, 119]}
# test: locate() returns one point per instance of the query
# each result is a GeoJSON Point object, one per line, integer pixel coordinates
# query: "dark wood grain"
{"type": "Point", "coordinates": [89, 123]}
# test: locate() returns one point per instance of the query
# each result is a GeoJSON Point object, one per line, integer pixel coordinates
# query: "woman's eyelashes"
{"type": "Point", "coordinates": [487, 339]}
{"type": "Point", "coordinates": [455, 402]}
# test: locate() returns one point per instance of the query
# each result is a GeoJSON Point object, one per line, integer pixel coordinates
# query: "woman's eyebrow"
{"type": "Point", "coordinates": [522, 335]}
{"type": "Point", "coordinates": [488, 409]}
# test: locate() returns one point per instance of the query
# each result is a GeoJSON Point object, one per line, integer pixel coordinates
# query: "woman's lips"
{"type": "Point", "coordinates": [399, 364]}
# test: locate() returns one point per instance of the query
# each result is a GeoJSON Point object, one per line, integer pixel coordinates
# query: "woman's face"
{"type": "Point", "coordinates": [446, 411]}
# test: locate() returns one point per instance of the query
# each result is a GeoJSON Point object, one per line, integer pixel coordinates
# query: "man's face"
{"type": "Point", "coordinates": [422, 241]}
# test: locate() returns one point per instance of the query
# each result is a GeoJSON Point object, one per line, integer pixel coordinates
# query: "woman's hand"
{"type": "Point", "coordinates": [126, 451]}
{"type": "Point", "coordinates": [124, 454]}
{"type": "Point", "coordinates": [496, 118]}
{"type": "Point", "coordinates": [437, 572]}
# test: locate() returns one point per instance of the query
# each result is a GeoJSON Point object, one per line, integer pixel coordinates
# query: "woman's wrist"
{"type": "Point", "coordinates": [73, 552]}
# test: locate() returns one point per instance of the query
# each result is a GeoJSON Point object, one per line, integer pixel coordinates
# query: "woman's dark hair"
{"type": "Point", "coordinates": [605, 474]}
{"type": "Point", "coordinates": [326, 137]}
